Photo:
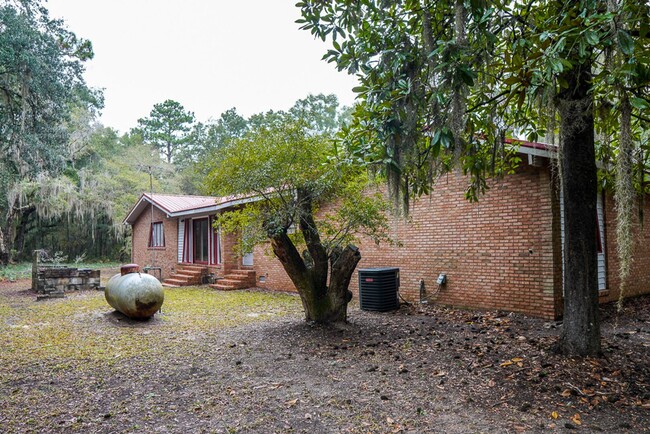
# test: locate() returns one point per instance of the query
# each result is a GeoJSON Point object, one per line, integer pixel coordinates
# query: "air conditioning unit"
{"type": "Point", "coordinates": [378, 289]}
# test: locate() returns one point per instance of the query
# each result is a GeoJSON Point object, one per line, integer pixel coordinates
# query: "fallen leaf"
{"type": "Point", "coordinates": [576, 419]}
{"type": "Point", "coordinates": [517, 359]}
{"type": "Point", "coordinates": [291, 402]}
{"type": "Point", "coordinates": [554, 415]}
{"type": "Point", "coordinates": [390, 420]}
{"type": "Point", "coordinates": [506, 363]}
{"type": "Point", "coordinates": [566, 393]}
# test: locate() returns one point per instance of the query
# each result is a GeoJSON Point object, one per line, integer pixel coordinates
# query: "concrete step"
{"type": "Point", "coordinates": [185, 277]}
{"type": "Point", "coordinates": [199, 268]}
{"type": "Point", "coordinates": [234, 282]}
{"type": "Point", "coordinates": [177, 282]}
{"type": "Point", "coordinates": [220, 287]}
{"type": "Point", "coordinates": [181, 277]}
{"type": "Point", "coordinates": [238, 276]}
{"type": "Point", "coordinates": [189, 272]}
{"type": "Point", "coordinates": [243, 272]}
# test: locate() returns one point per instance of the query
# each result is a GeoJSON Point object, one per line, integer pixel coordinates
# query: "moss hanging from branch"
{"type": "Point", "coordinates": [624, 197]}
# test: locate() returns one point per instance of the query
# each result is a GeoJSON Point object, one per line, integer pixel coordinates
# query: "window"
{"type": "Point", "coordinates": [157, 235]}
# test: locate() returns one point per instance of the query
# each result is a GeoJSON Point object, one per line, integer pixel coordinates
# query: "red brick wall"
{"type": "Point", "coordinates": [230, 259]}
{"type": "Point", "coordinates": [164, 257]}
{"type": "Point", "coordinates": [167, 257]}
{"type": "Point", "coordinates": [484, 248]}
{"type": "Point", "coordinates": [270, 270]}
{"type": "Point", "coordinates": [501, 253]}
{"type": "Point", "coordinates": [639, 281]}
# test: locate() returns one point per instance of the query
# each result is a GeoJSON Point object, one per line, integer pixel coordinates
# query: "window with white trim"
{"type": "Point", "coordinates": [157, 235]}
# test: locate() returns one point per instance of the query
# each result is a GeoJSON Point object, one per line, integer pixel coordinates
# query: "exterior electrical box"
{"type": "Point", "coordinates": [378, 289]}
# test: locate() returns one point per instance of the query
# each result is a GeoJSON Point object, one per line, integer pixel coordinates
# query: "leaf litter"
{"type": "Point", "coordinates": [245, 361]}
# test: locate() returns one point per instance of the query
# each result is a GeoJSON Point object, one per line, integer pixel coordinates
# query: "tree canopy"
{"type": "Point", "coordinates": [167, 128]}
{"type": "Point", "coordinates": [41, 65]}
{"type": "Point", "coordinates": [443, 83]}
{"type": "Point", "coordinates": [293, 172]}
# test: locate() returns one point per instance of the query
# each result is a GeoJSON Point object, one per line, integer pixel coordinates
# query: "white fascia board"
{"type": "Point", "coordinates": [537, 152]}
{"type": "Point", "coordinates": [214, 208]}
{"type": "Point", "coordinates": [137, 209]}
{"type": "Point", "coordinates": [551, 154]}
{"type": "Point", "coordinates": [527, 150]}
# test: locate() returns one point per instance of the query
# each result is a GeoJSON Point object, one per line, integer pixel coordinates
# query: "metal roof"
{"type": "Point", "coordinates": [175, 205]}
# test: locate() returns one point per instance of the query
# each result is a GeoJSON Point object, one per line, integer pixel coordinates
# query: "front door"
{"type": "Point", "coordinates": [200, 233]}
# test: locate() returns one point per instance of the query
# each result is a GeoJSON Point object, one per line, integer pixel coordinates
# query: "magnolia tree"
{"type": "Point", "coordinates": [293, 173]}
{"type": "Point", "coordinates": [443, 82]}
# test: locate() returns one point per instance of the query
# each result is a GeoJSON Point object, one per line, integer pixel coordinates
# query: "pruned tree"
{"type": "Point", "coordinates": [293, 173]}
{"type": "Point", "coordinates": [443, 82]}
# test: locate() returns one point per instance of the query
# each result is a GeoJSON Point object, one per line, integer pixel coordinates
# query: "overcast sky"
{"type": "Point", "coordinates": [209, 55]}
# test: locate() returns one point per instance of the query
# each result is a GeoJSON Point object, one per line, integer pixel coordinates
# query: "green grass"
{"type": "Point", "coordinates": [83, 327]}
{"type": "Point", "coordinates": [23, 270]}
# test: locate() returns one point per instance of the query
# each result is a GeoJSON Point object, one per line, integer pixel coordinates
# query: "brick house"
{"type": "Point", "coordinates": [173, 238]}
{"type": "Point", "coordinates": [504, 252]}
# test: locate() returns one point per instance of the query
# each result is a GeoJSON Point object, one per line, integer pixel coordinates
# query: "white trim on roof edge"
{"type": "Point", "coordinates": [213, 208]}
{"type": "Point", "coordinates": [136, 210]}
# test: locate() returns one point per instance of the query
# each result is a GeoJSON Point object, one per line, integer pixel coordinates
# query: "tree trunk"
{"type": "Point", "coordinates": [4, 249]}
{"type": "Point", "coordinates": [343, 266]}
{"type": "Point", "coordinates": [322, 303]}
{"type": "Point", "coordinates": [581, 330]}
{"type": "Point", "coordinates": [25, 218]}
{"type": "Point", "coordinates": [8, 236]}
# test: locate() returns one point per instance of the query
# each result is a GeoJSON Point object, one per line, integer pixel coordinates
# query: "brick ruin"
{"type": "Point", "coordinates": [53, 281]}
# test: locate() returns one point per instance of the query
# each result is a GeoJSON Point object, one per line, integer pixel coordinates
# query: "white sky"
{"type": "Point", "coordinates": [209, 55]}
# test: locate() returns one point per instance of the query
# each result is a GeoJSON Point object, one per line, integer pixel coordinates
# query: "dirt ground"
{"type": "Point", "coordinates": [246, 362]}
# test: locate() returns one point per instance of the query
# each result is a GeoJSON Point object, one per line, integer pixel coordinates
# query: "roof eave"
{"type": "Point", "coordinates": [214, 208]}
{"type": "Point", "coordinates": [135, 212]}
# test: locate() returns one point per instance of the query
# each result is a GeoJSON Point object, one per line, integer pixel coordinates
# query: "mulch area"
{"type": "Point", "coordinates": [420, 369]}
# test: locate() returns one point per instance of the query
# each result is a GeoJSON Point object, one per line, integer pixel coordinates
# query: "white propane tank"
{"type": "Point", "coordinates": [137, 295]}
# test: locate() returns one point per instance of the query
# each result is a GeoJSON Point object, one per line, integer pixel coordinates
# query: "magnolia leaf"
{"type": "Point", "coordinates": [591, 37]}
{"type": "Point", "coordinates": [625, 42]}
{"type": "Point", "coordinates": [639, 103]}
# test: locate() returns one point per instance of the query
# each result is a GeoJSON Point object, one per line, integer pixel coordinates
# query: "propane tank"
{"type": "Point", "coordinates": [137, 295]}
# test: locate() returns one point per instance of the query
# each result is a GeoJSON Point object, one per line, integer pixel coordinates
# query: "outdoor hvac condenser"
{"type": "Point", "coordinates": [378, 289]}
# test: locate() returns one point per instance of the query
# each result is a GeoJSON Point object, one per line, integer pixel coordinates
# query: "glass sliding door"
{"type": "Point", "coordinates": [200, 237]}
